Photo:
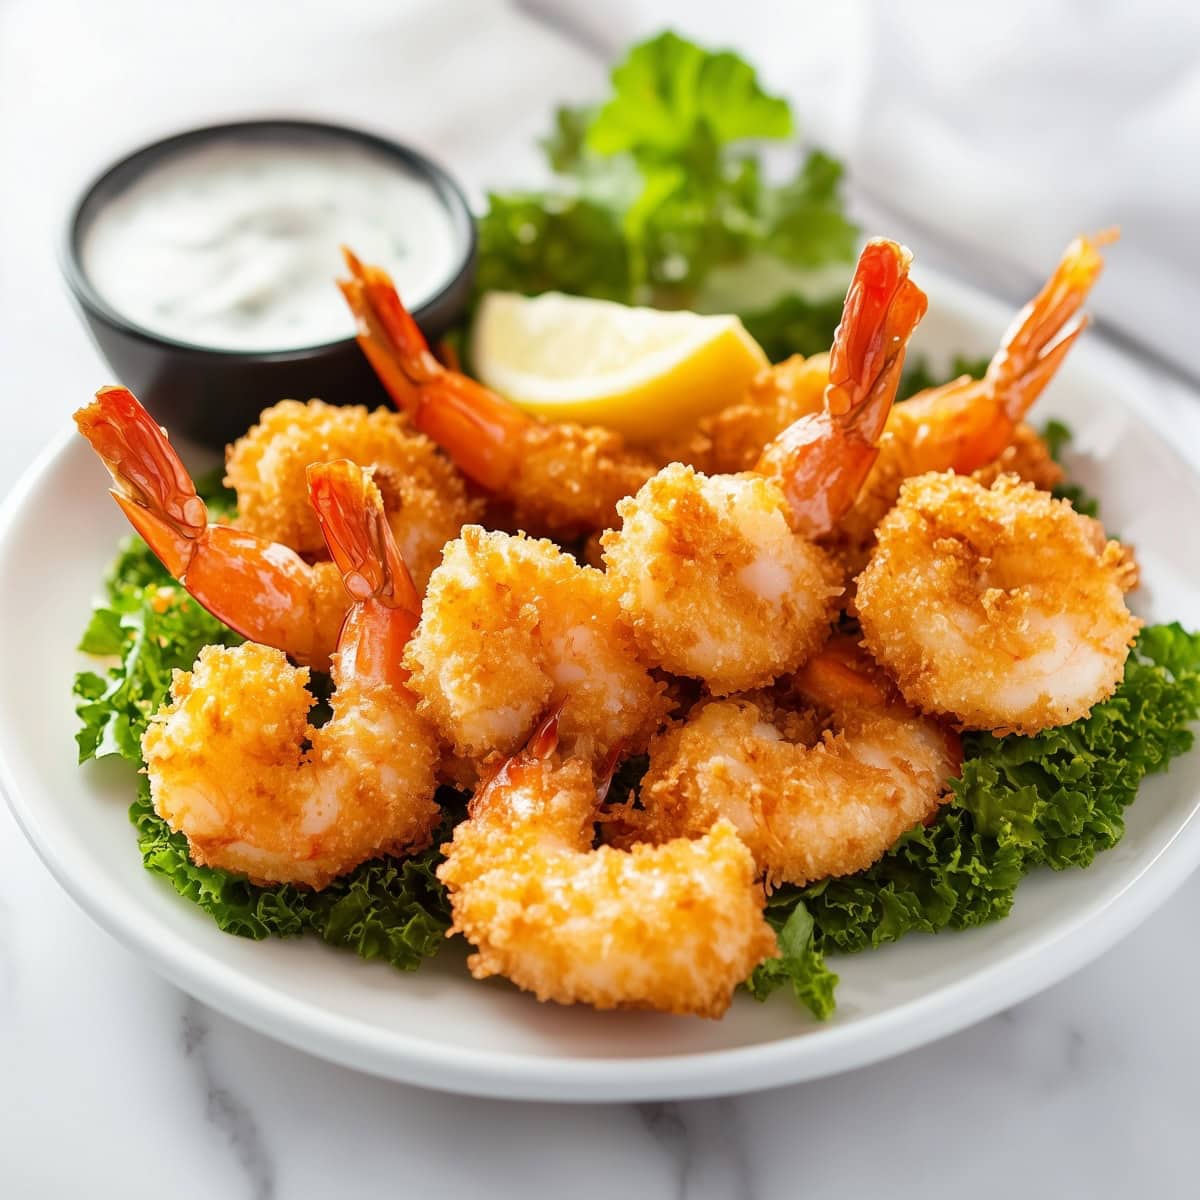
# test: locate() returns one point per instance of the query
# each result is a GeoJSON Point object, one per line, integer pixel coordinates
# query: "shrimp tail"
{"type": "Point", "coordinates": [387, 607]}
{"type": "Point", "coordinates": [153, 487]}
{"type": "Point", "coordinates": [883, 307]}
{"type": "Point", "coordinates": [479, 429]}
{"type": "Point", "coordinates": [261, 589]}
{"type": "Point", "coordinates": [822, 459]}
{"type": "Point", "coordinates": [1042, 333]}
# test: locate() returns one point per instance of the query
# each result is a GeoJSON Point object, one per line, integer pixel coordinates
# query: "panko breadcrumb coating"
{"type": "Point", "coordinates": [1000, 607]}
{"type": "Point", "coordinates": [233, 762]}
{"type": "Point", "coordinates": [717, 585]}
{"type": "Point", "coordinates": [674, 927]}
{"type": "Point", "coordinates": [560, 479]}
{"type": "Point", "coordinates": [228, 768]}
{"type": "Point", "coordinates": [425, 496]}
{"type": "Point", "coordinates": [511, 626]}
{"type": "Point", "coordinates": [820, 785]}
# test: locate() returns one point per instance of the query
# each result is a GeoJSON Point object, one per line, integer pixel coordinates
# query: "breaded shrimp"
{"type": "Point", "coordinates": [263, 589]}
{"type": "Point", "coordinates": [673, 928]}
{"type": "Point", "coordinates": [720, 575]}
{"type": "Point", "coordinates": [227, 757]}
{"type": "Point", "coordinates": [423, 493]}
{"type": "Point", "coordinates": [1000, 607]}
{"type": "Point", "coordinates": [559, 479]}
{"type": "Point", "coordinates": [818, 782]}
{"type": "Point", "coordinates": [969, 423]}
{"type": "Point", "coordinates": [511, 625]}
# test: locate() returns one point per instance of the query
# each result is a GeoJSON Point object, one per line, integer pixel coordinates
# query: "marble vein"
{"type": "Point", "coordinates": [704, 1140]}
{"type": "Point", "coordinates": [224, 1111]}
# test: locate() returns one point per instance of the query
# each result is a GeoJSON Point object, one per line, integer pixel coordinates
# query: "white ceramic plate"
{"type": "Point", "coordinates": [441, 1029]}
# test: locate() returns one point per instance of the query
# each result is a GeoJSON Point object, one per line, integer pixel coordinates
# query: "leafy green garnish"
{"type": "Point", "coordinates": [659, 195]}
{"type": "Point", "coordinates": [1057, 437]}
{"type": "Point", "coordinates": [1056, 799]}
{"type": "Point", "coordinates": [800, 962]}
{"type": "Point", "coordinates": [388, 908]}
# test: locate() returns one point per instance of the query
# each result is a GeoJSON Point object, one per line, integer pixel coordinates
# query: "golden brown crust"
{"type": "Point", "coordinates": [997, 606]}
{"type": "Point", "coordinates": [228, 768]}
{"type": "Point", "coordinates": [804, 786]}
{"type": "Point", "coordinates": [714, 581]}
{"type": "Point", "coordinates": [570, 477]}
{"type": "Point", "coordinates": [1027, 457]}
{"type": "Point", "coordinates": [425, 496]}
{"type": "Point", "coordinates": [511, 626]}
{"type": "Point", "coordinates": [673, 928]}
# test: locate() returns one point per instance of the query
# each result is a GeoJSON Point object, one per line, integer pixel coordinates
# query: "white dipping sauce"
{"type": "Point", "coordinates": [234, 244]}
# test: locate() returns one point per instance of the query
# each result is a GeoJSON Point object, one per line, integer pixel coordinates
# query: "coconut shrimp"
{"type": "Point", "coordinates": [999, 607]}
{"type": "Point", "coordinates": [263, 589]}
{"type": "Point", "coordinates": [511, 625]}
{"type": "Point", "coordinates": [719, 574]}
{"type": "Point", "coordinates": [423, 493]}
{"type": "Point", "coordinates": [819, 779]}
{"type": "Point", "coordinates": [227, 757]}
{"type": "Point", "coordinates": [674, 927]}
{"type": "Point", "coordinates": [559, 479]}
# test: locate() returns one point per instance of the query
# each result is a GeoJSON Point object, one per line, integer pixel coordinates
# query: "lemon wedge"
{"type": "Point", "coordinates": [640, 371]}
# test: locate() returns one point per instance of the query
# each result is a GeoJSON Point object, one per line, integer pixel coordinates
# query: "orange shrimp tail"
{"type": "Point", "coordinates": [153, 487]}
{"type": "Point", "coordinates": [822, 459]}
{"type": "Point", "coordinates": [387, 607]}
{"type": "Point", "coordinates": [542, 744]}
{"type": "Point", "coordinates": [262, 590]}
{"type": "Point", "coordinates": [1046, 328]}
{"type": "Point", "coordinates": [479, 429]}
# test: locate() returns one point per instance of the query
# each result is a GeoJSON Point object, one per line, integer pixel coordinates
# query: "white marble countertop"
{"type": "Point", "coordinates": [113, 1083]}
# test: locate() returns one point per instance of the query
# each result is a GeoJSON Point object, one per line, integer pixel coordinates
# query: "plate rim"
{"type": "Point", "coordinates": [806, 1055]}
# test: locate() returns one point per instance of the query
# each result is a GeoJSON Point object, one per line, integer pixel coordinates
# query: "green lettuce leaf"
{"type": "Point", "coordinates": [1056, 799]}
{"type": "Point", "coordinates": [390, 909]}
{"type": "Point", "coordinates": [661, 188]}
{"type": "Point", "coordinates": [672, 100]}
{"type": "Point", "coordinates": [799, 964]}
{"type": "Point", "coordinates": [1057, 437]}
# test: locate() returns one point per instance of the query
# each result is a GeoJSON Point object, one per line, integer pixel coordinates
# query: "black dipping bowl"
{"type": "Point", "coordinates": [211, 395]}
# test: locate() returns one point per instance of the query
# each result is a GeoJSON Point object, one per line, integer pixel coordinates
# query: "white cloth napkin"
{"type": "Point", "coordinates": [987, 135]}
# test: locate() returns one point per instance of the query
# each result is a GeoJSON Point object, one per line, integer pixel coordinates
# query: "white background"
{"type": "Point", "coordinates": [112, 1083]}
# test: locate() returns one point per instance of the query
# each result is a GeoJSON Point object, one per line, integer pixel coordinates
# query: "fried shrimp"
{"type": "Point", "coordinates": [968, 424]}
{"type": "Point", "coordinates": [674, 927]}
{"type": "Point", "coordinates": [719, 574]}
{"type": "Point", "coordinates": [819, 781]}
{"type": "Point", "coordinates": [1000, 607]}
{"type": "Point", "coordinates": [558, 479]}
{"type": "Point", "coordinates": [424, 495]}
{"type": "Point", "coordinates": [511, 625]}
{"type": "Point", "coordinates": [261, 588]}
{"type": "Point", "coordinates": [226, 757]}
